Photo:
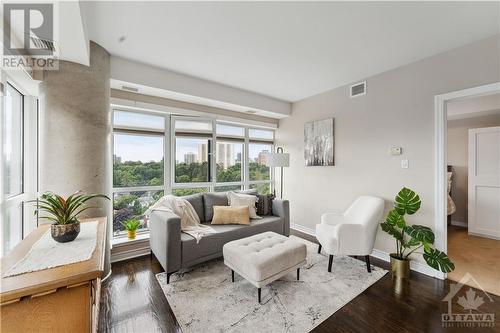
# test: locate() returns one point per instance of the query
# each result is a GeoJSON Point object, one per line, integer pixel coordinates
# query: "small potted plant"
{"type": "Point", "coordinates": [64, 213]}
{"type": "Point", "coordinates": [131, 227]}
{"type": "Point", "coordinates": [410, 238]}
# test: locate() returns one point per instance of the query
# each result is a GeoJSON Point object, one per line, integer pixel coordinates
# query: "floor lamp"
{"type": "Point", "coordinates": [279, 159]}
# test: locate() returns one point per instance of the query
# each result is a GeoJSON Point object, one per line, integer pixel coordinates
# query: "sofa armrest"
{"type": "Point", "coordinates": [281, 208]}
{"type": "Point", "coordinates": [165, 239]}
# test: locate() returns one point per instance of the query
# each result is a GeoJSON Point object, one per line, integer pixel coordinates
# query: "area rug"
{"type": "Point", "coordinates": [204, 299]}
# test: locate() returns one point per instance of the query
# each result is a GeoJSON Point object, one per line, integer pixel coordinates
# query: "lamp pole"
{"type": "Point", "coordinates": [279, 150]}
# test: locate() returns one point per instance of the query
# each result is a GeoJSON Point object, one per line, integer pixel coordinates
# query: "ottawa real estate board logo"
{"type": "Point", "coordinates": [28, 36]}
{"type": "Point", "coordinates": [467, 307]}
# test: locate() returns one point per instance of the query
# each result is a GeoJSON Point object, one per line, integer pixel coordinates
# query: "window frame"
{"type": "Point", "coordinates": [29, 162]}
{"type": "Point", "coordinates": [245, 182]}
{"type": "Point", "coordinates": [169, 184]}
{"type": "Point", "coordinates": [166, 155]}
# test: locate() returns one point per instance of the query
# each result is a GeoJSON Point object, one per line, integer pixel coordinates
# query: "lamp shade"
{"type": "Point", "coordinates": [278, 160]}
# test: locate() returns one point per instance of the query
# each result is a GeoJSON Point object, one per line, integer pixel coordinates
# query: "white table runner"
{"type": "Point", "coordinates": [47, 253]}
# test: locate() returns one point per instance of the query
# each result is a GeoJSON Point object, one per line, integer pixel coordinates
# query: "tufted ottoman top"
{"type": "Point", "coordinates": [262, 256]}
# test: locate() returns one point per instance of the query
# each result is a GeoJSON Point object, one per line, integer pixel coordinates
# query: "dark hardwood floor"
{"type": "Point", "coordinates": [132, 301]}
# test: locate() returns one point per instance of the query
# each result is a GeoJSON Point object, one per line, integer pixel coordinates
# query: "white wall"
{"type": "Point", "coordinates": [458, 141]}
{"type": "Point", "coordinates": [397, 110]}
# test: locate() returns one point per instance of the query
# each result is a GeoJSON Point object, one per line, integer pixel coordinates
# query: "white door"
{"type": "Point", "coordinates": [484, 182]}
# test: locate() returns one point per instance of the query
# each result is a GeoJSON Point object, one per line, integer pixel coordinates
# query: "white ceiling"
{"type": "Point", "coordinates": [286, 50]}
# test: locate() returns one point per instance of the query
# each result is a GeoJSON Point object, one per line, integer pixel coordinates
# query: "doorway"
{"type": "Point", "coordinates": [467, 217]}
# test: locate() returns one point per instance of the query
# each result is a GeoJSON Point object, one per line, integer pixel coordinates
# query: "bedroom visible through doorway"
{"type": "Point", "coordinates": [472, 161]}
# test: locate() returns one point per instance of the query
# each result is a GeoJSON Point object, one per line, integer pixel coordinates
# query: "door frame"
{"type": "Point", "coordinates": [440, 172]}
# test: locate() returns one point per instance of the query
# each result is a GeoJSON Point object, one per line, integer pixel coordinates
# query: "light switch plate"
{"type": "Point", "coordinates": [405, 164]}
{"type": "Point", "coordinates": [396, 151]}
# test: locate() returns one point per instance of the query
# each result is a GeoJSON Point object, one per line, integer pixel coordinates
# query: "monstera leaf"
{"type": "Point", "coordinates": [420, 233]}
{"type": "Point", "coordinates": [411, 243]}
{"type": "Point", "coordinates": [438, 260]}
{"type": "Point", "coordinates": [407, 202]}
{"type": "Point", "coordinates": [393, 218]}
{"type": "Point", "coordinates": [391, 230]}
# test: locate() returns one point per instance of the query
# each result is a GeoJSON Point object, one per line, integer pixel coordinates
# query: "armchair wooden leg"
{"type": "Point", "coordinates": [168, 277]}
{"type": "Point", "coordinates": [259, 293]}
{"type": "Point", "coordinates": [319, 248]}
{"type": "Point", "coordinates": [330, 260]}
{"type": "Point", "coordinates": [298, 274]}
{"type": "Point", "coordinates": [368, 267]}
{"type": "Point", "coordinates": [232, 276]}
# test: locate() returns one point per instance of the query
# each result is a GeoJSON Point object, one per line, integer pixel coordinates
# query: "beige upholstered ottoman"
{"type": "Point", "coordinates": [263, 258]}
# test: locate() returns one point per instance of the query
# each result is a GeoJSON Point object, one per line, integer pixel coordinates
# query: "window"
{"type": "Point", "coordinates": [138, 166]}
{"type": "Point", "coordinates": [261, 134]}
{"type": "Point", "coordinates": [191, 160]}
{"type": "Point", "coordinates": [257, 154]}
{"type": "Point", "coordinates": [260, 145]}
{"type": "Point", "coordinates": [262, 188]}
{"type": "Point", "coordinates": [227, 188]}
{"type": "Point", "coordinates": [132, 205]}
{"type": "Point", "coordinates": [180, 192]}
{"type": "Point", "coordinates": [125, 119]}
{"type": "Point", "coordinates": [137, 160]}
{"type": "Point", "coordinates": [231, 131]}
{"type": "Point", "coordinates": [18, 169]}
{"type": "Point", "coordinates": [157, 154]}
{"type": "Point", "coordinates": [12, 227]}
{"type": "Point", "coordinates": [228, 158]}
{"type": "Point", "coordinates": [13, 142]}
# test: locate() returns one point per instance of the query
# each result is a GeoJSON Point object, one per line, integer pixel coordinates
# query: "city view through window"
{"type": "Point", "coordinates": [138, 169]}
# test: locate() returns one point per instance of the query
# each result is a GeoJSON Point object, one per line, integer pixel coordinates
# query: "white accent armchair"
{"type": "Point", "coordinates": [352, 232]}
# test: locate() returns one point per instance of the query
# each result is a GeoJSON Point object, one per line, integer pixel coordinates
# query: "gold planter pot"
{"type": "Point", "coordinates": [400, 268]}
{"type": "Point", "coordinates": [131, 234]}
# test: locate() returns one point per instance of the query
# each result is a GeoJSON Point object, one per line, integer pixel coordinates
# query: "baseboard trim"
{"type": "Point", "coordinates": [303, 229]}
{"type": "Point", "coordinates": [414, 265]}
{"type": "Point", "coordinates": [118, 253]}
{"type": "Point", "coordinates": [459, 224]}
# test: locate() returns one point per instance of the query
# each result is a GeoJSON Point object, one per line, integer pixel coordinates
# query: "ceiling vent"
{"type": "Point", "coordinates": [128, 88]}
{"type": "Point", "coordinates": [358, 89]}
{"type": "Point", "coordinates": [43, 44]}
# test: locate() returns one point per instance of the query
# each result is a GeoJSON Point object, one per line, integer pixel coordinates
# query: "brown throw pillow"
{"type": "Point", "coordinates": [231, 215]}
{"type": "Point", "coordinates": [265, 204]}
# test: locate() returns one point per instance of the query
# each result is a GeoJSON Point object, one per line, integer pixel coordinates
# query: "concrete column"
{"type": "Point", "coordinates": [75, 129]}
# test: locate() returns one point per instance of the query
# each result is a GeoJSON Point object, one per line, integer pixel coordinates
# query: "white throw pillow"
{"type": "Point", "coordinates": [240, 199]}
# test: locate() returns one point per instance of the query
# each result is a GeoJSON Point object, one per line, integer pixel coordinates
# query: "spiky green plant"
{"type": "Point", "coordinates": [410, 238]}
{"type": "Point", "coordinates": [64, 211]}
{"type": "Point", "coordinates": [131, 225]}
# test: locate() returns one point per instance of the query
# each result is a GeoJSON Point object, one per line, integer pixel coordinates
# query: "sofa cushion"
{"type": "Point", "coordinates": [212, 244]}
{"type": "Point", "coordinates": [213, 199]}
{"type": "Point", "coordinates": [196, 200]}
{"type": "Point", "coordinates": [240, 199]}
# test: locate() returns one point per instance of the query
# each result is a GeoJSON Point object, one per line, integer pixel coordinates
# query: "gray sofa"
{"type": "Point", "coordinates": [175, 250]}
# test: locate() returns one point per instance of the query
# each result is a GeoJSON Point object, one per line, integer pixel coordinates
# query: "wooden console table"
{"type": "Point", "coordinates": [60, 299]}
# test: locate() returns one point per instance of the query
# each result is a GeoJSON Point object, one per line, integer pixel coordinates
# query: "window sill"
{"type": "Point", "coordinates": [117, 241]}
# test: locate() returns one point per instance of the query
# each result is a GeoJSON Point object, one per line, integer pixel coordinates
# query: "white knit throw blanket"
{"type": "Point", "coordinates": [190, 222]}
{"type": "Point", "coordinates": [47, 253]}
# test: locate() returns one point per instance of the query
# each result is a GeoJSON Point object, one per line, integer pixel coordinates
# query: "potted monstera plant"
{"type": "Point", "coordinates": [64, 213]}
{"type": "Point", "coordinates": [412, 239]}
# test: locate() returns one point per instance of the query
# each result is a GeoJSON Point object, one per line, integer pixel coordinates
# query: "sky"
{"type": "Point", "coordinates": [150, 148]}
